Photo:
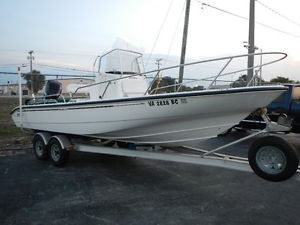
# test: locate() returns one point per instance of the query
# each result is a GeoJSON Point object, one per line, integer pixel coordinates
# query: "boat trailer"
{"type": "Point", "coordinates": [271, 157]}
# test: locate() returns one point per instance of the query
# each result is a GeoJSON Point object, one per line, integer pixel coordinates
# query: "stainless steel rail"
{"type": "Point", "coordinates": [214, 78]}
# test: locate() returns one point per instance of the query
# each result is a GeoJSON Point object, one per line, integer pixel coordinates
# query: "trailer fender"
{"type": "Point", "coordinates": [45, 136]}
{"type": "Point", "coordinates": [64, 141]}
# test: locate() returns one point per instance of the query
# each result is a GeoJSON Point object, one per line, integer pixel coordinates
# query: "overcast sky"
{"type": "Point", "coordinates": [72, 32]}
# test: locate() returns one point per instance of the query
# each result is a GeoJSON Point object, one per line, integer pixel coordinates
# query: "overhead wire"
{"type": "Point", "coordinates": [8, 72]}
{"type": "Point", "coordinates": [47, 52]}
{"type": "Point", "coordinates": [175, 32]}
{"type": "Point", "coordinates": [278, 13]}
{"type": "Point", "coordinates": [159, 31]}
{"type": "Point", "coordinates": [221, 10]}
{"type": "Point", "coordinates": [9, 65]}
{"type": "Point", "coordinates": [54, 75]}
{"type": "Point", "coordinates": [61, 53]}
{"type": "Point", "coordinates": [13, 50]}
{"type": "Point", "coordinates": [63, 68]}
{"type": "Point", "coordinates": [246, 18]}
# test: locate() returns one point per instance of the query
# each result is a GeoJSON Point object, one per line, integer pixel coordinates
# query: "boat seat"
{"type": "Point", "coordinates": [53, 89]}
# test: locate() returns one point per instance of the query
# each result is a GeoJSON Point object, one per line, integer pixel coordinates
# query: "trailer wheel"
{"type": "Point", "coordinates": [39, 148]}
{"type": "Point", "coordinates": [273, 158]}
{"type": "Point", "coordinates": [57, 154]}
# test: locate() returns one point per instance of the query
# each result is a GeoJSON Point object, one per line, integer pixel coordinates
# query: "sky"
{"type": "Point", "coordinates": [71, 33]}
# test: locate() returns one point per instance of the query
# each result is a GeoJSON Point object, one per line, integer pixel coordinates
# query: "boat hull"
{"type": "Point", "coordinates": [159, 119]}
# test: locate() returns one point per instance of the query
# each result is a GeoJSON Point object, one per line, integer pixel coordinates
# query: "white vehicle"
{"type": "Point", "coordinates": [122, 109]}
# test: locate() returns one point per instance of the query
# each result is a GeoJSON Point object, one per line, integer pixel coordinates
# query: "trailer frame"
{"type": "Point", "coordinates": [63, 144]}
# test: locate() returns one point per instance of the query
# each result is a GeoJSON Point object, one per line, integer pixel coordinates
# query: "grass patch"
{"type": "Point", "coordinates": [10, 131]}
{"type": "Point", "coordinates": [7, 126]}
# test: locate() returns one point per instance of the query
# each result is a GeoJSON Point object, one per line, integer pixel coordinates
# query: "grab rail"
{"type": "Point", "coordinates": [152, 82]}
{"type": "Point", "coordinates": [214, 78]}
{"type": "Point", "coordinates": [220, 74]}
{"type": "Point", "coordinates": [105, 89]}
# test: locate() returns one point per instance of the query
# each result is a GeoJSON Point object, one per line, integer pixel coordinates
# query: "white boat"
{"type": "Point", "coordinates": [121, 108]}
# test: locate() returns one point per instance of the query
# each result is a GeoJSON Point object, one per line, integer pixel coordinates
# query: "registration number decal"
{"type": "Point", "coordinates": [167, 102]}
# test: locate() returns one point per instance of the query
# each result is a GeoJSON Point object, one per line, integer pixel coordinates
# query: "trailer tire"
{"type": "Point", "coordinates": [40, 148]}
{"type": "Point", "coordinates": [273, 158]}
{"type": "Point", "coordinates": [57, 154]}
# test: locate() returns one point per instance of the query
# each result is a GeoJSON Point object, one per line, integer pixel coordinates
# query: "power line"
{"type": "Point", "coordinates": [63, 68]}
{"type": "Point", "coordinates": [46, 52]}
{"type": "Point", "coordinates": [160, 29]}
{"type": "Point", "coordinates": [174, 34]}
{"type": "Point", "coordinates": [9, 65]}
{"type": "Point", "coordinates": [53, 75]}
{"type": "Point", "coordinates": [222, 10]}
{"type": "Point", "coordinates": [13, 73]}
{"type": "Point", "coordinates": [55, 68]}
{"type": "Point", "coordinates": [61, 53]}
{"type": "Point", "coordinates": [278, 30]}
{"type": "Point", "coordinates": [67, 75]}
{"type": "Point", "coordinates": [245, 18]}
{"type": "Point", "coordinates": [43, 65]}
{"type": "Point", "coordinates": [13, 50]}
{"type": "Point", "coordinates": [279, 14]}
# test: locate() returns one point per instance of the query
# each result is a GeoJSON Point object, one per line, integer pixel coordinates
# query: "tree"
{"type": "Point", "coordinates": [283, 80]}
{"type": "Point", "coordinates": [168, 81]}
{"type": "Point", "coordinates": [162, 82]}
{"type": "Point", "coordinates": [187, 88]}
{"type": "Point", "coordinates": [35, 81]}
{"type": "Point", "coordinates": [242, 81]}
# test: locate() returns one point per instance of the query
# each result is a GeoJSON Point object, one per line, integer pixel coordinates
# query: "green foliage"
{"type": "Point", "coordinates": [283, 80]}
{"type": "Point", "coordinates": [7, 126]}
{"type": "Point", "coordinates": [9, 130]}
{"type": "Point", "coordinates": [167, 81]}
{"type": "Point", "coordinates": [242, 81]}
{"type": "Point", "coordinates": [35, 81]}
{"type": "Point", "coordinates": [163, 82]}
{"type": "Point", "coordinates": [196, 88]}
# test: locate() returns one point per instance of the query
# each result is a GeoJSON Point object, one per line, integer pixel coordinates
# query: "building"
{"type": "Point", "coordinates": [13, 89]}
{"type": "Point", "coordinates": [68, 86]}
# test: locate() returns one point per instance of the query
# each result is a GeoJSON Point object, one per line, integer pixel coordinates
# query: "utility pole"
{"type": "Point", "coordinates": [184, 40]}
{"type": "Point", "coordinates": [158, 75]}
{"type": "Point", "coordinates": [8, 91]}
{"type": "Point", "coordinates": [158, 63]}
{"type": "Point", "coordinates": [31, 58]}
{"type": "Point", "coordinates": [251, 46]}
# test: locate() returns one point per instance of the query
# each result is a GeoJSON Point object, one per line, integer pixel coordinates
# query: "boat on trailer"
{"type": "Point", "coordinates": [123, 109]}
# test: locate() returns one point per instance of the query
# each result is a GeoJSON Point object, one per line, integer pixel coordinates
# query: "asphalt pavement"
{"type": "Point", "coordinates": [99, 189]}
